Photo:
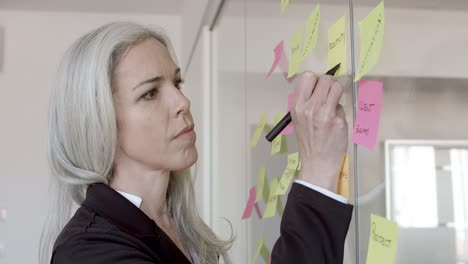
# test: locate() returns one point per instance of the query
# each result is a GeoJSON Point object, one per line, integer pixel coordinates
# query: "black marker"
{"type": "Point", "coordinates": [287, 118]}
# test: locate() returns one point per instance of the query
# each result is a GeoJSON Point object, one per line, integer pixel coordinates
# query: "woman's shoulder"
{"type": "Point", "coordinates": [83, 223]}
{"type": "Point", "coordinates": [89, 238]}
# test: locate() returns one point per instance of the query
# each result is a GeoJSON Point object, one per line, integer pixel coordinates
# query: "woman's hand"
{"type": "Point", "coordinates": [321, 129]}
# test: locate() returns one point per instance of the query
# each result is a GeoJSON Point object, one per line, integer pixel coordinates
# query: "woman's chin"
{"type": "Point", "coordinates": [190, 160]}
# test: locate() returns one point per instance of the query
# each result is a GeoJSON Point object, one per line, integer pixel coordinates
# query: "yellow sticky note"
{"type": "Point", "coordinates": [279, 206]}
{"type": "Point", "coordinates": [261, 126]}
{"type": "Point", "coordinates": [279, 144]}
{"type": "Point", "coordinates": [262, 250]}
{"type": "Point", "coordinates": [383, 241]}
{"type": "Point", "coordinates": [296, 53]}
{"type": "Point", "coordinates": [337, 46]}
{"type": "Point", "coordinates": [272, 205]}
{"type": "Point", "coordinates": [263, 189]}
{"type": "Point", "coordinates": [343, 182]}
{"type": "Point", "coordinates": [372, 34]}
{"type": "Point", "coordinates": [284, 5]}
{"type": "Point", "coordinates": [312, 31]}
{"type": "Point", "coordinates": [288, 174]}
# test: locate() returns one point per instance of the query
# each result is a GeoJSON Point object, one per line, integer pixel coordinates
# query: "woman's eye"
{"type": "Point", "coordinates": [178, 84]}
{"type": "Point", "coordinates": [151, 94]}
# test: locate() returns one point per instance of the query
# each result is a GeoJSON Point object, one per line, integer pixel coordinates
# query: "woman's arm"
{"type": "Point", "coordinates": [314, 226]}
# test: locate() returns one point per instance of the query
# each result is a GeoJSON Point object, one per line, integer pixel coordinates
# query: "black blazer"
{"type": "Point", "coordinates": [107, 228]}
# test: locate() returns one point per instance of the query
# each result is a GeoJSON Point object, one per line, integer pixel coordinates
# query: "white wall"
{"type": "Point", "coordinates": [34, 42]}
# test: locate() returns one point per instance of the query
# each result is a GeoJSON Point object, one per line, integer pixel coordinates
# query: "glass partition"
{"type": "Point", "coordinates": [415, 174]}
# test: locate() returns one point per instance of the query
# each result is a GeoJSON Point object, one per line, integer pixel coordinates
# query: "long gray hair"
{"type": "Point", "coordinates": [83, 139]}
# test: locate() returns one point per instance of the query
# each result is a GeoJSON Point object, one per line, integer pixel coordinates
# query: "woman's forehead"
{"type": "Point", "coordinates": [145, 60]}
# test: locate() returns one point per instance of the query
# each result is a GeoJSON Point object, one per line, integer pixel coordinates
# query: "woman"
{"type": "Point", "coordinates": [121, 144]}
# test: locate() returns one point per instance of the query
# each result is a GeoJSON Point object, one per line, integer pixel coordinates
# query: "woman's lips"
{"type": "Point", "coordinates": [187, 132]}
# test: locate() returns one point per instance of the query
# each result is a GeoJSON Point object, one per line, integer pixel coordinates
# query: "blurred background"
{"type": "Point", "coordinates": [416, 176]}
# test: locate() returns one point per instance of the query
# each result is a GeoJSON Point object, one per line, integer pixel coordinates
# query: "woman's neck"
{"type": "Point", "coordinates": [150, 186]}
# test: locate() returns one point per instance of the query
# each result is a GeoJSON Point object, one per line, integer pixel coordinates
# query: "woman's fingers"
{"type": "Point", "coordinates": [333, 98]}
{"type": "Point", "coordinates": [321, 91]}
{"type": "Point", "coordinates": [304, 87]}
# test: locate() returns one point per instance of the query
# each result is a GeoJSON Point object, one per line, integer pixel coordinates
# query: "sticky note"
{"type": "Point", "coordinates": [290, 128]}
{"type": "Point", "coordinates": [251, 204]}
{"type": "Point", "coordinates": [368, 114]}
{"type": "Point", "coordinates": [343, 181]}
{"type": "Point", "coordinates": [263, 188]}
{"type": "Point", "coordinates": [296, 53]}
{"type": "Point", "coordinates": [278, 51]}
{"type": "Point", "coordinates": [284, 5]}
{"type": "Point", "coordinates": [312, 31]}
{"type": "Point", "coordinates": [372, 34]}
{"type": "Point", "coordinates": [261, 126]}
{"type": "Point", "coordinates": [383, 241]}
{"type": "Point", "coordinates": [288, 174]}
{"type": "Point", "coordinates": [274, 203]}
{"type": "Point", "coordinates": [281, 61]}
{"type": "Point", "coordinates": [279, 144]}
{"type": "Point", "coordinates": [261, 249]}
{"type": "Point", "coordinates": [337, 46]}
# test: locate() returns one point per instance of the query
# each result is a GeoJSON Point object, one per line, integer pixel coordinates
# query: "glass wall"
{"type": "Point", "coordinates": [415, 174]}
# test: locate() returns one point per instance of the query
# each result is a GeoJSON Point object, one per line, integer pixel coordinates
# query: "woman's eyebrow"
{"type": "Point", "coordinates": [154, 79]}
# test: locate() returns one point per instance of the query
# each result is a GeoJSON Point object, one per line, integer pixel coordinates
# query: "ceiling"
{"type": "Point", "coordinates": [169, 7]}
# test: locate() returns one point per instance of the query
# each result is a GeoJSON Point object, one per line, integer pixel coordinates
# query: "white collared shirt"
{"type": "Point", "coordinates": [137, 200]}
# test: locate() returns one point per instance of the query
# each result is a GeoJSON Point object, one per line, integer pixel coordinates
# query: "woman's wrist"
{"type": "Point", "coordinates": [322, 178]}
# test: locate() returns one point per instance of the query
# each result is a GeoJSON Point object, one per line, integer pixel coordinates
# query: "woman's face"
{"type": "Point", "coordinates": [152, 110]}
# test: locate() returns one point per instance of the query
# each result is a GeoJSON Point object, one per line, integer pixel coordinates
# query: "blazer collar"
{"type": "Point", "coordinates": [111, 205]}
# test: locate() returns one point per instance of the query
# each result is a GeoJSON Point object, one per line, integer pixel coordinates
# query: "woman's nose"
{"type": "Point", "coordinates": [182, 103]}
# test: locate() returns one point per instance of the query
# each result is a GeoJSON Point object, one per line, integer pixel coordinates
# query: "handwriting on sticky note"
{"type": "Point", "coordinates": [312, 31]}
{"type": "Point", "coordinates": [343, 181]}
{"type": "Point", "coordinates": [261, 249]}
{"type": "Point", "coordinates": [274, 203]}
{"type": "Point", "coordinates": [288, 130]}
{"type": "Point", "coordinates": [279, 144]}
{"type": "Point", "coordinates": [261, 126]}
{"type": "Point", "coordinates": [368, 115]}
{"type": "Point", "coordinates": [337, 46]}
{"type": "Point", "coordinates": [296, 53]}
{"type": "Point", "coordinates": [263, 188]}
{"type": "Point", "coordinates": [372, 34]}
{"type": "Point", "coordinates": [289, 173]}
{"type": "Point", "coordinates": [383, 241]}
{"type": "Point", "coordinates": [251, 204]}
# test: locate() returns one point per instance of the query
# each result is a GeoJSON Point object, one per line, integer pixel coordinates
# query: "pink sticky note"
{"type": "Point", "coordinates": [290, 128]}
{"type": "Point", "coordinates": [280, 60]}
{"type": "Point", "coordinates": [278, 53]}
{"type": "Point", "coordinates": [368, 116]}
{"type": "Point", "coordinates": [251, 204]}
{"type": "Point", "coordinates": [269, 260]}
